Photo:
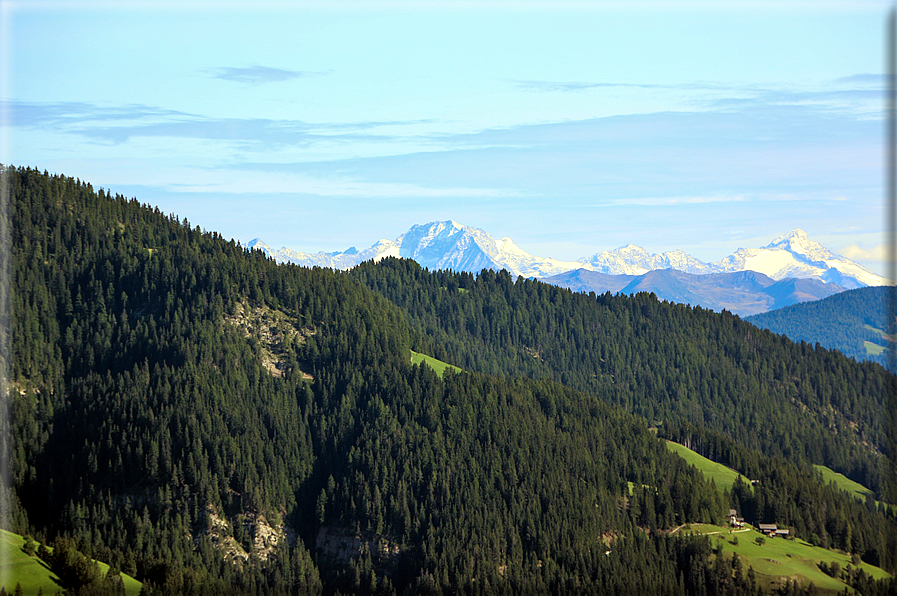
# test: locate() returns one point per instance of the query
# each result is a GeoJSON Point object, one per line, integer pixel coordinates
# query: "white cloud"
{"type": "Point", "coordinates": [878, 253]}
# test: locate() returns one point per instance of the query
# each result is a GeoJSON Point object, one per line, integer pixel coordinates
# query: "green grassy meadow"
{"type": "Point", "coordinates": [873, 349]}
{"type": "Point", "coordinates": [779, 560]}
{"type": "Point", "coordinates": [722, 476]}
{"type": "Point", "coordinates": [846, 484]}
{"type": "Point", "coordinates": [881, 332]}
{"type": "Point", "coordinates": [437, 365]}
{"type": "Point", "coordinates": [34, 575]}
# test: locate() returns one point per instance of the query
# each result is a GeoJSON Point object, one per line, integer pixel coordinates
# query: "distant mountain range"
{"type": "Point", "coordinates": [743, 292]}
{"type": "Point", "coordinates": [791, 269]}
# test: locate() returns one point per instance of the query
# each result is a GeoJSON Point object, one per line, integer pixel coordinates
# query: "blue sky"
{"type": "Point", "coordinates": [571, 127]}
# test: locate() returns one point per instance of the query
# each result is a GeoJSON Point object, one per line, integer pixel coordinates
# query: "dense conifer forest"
{"type": "Point", "coordinates": [671, 363]}
{"type": "Point", "coordinates": [212, 422]}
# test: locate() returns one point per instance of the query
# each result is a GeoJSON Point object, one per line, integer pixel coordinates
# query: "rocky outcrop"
{"type": "Point", "coordinates": [275, 331]}
{"type": "Point", "coordinates": [342, 545]}
{"type": "Point", "coordinates": [219, 533]}
{"type": "Point", "coordinates": [263, 537]}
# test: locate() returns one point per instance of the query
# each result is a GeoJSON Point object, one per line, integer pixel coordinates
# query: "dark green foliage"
{"type": "Point", "coordinates": [860, 581]}
{"type": "Point", "coordinates": [141, 415]}
{"type": "Point", "coordinates": [29, 547]}
{"type": "Point", "coordinates": [76, 572]}
{"type": "Point", "coordinates": [136, 407]}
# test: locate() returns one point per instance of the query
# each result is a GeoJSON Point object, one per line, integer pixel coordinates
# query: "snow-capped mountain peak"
{"type": "Point", "coordinates": [635, 260]}
{"type": "Point", "coordinates": [256, 243]}
{"type": "Point", "coordinates": [795, 255]}
{"type": "Point", "coordinates": [796, 235]}
{"type": "Point", "coordinates": [796, 241]}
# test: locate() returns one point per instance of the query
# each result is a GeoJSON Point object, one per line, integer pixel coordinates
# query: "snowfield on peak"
{"type": "Point", "coordinates": [795, 255]}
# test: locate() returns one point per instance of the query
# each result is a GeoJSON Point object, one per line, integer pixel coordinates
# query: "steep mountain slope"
{"type": "Point", "coordinates": [854, 323]}
{"type": "Point", "coordinates": [743, 293]}
{"type": "Point", "coordinates": [707, 380]}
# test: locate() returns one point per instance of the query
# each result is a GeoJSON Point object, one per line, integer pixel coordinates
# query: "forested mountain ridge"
{"type": "Point", "coordinates": [144, 415]}
{"type": "Point", "coordinates": [743, 293]}
{"type": "Point", "coordinates": [670, 363]}
{"type": "Point", "coordinates": [853, 322]}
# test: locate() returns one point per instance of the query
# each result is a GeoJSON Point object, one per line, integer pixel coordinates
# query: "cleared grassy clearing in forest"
{"type": "Point", "coordinates": [847, 485]}
{"type": "Point", "coordinates": [843, 482]}
{"type": "Point", "coordinates": [873, 348]}
{"type": "Point", "coordinates": [881, 332]}
{"type": "Point", "coordinates": [721, 475]}
{"type": "Point", "coordinates": [437, 365]}
{"type": "Point", "coordinates": [777, 560]}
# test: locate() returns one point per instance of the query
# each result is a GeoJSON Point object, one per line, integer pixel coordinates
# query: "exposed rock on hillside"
{"type": "Point", "coordinates": [275, 331]}
{"type": "Point", "coordinates": [342, 545]}
{"type": "Point", "coordinates": [219, 533]}
{"type": "Point", "coordinates": [263, 537]}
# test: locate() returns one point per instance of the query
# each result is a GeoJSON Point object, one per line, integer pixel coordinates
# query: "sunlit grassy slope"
{"type": "Point", "coordinates": [778, 560]}
{"type": "Point", "coordinates": [846, 484]}
{"type": "Point", "coordinates": [722, 476]}
{"type": "Point", "coordinates": [843, 482]}
{"type": "Point", "coordinates": [34, 575]}
{"type": "Point", "coordinates": [437, 365]}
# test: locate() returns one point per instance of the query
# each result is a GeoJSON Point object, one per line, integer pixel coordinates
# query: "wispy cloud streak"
{"type": "Point", "coordinates": [119, 124]}
{"type": "Point", "coordinates": [26, 114]}
{"type": "Point", "coordinates": [858, 94]}
{"type": "Point", "coordinates": [668, 201]}
{"type": "Point", "coordinates": [547, 86]}
{"type": "Point", "coordinates": [258, 74]}
{"type": "Point", "coordinates": [877, 80]}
